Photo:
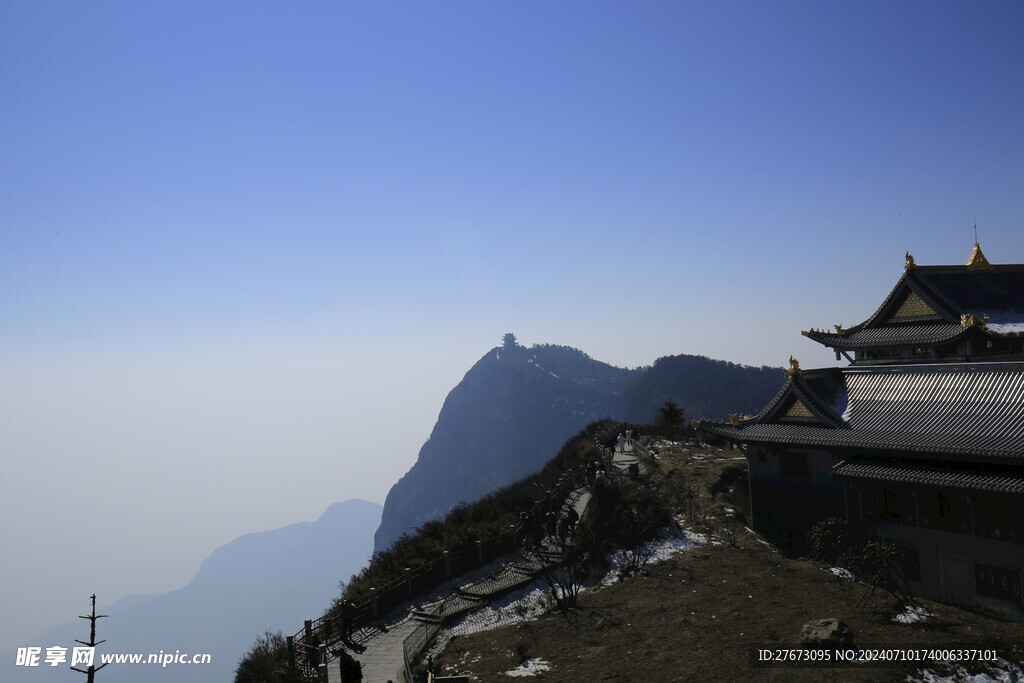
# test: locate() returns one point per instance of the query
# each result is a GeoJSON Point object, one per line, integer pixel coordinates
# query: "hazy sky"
{"type": "Point", "coordinates": [246, 248]}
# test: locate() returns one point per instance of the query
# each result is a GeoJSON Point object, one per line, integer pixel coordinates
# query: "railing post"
{"type": "Point", "coordinates": [480, 551]}
{"type": "Point", "coordinates": [373, 601]}
{"type": "Point", "coordinates": [307, 638]}
{"type": "Point", "coordinates": [291, 652]}
{"type": "Point", "coordinates": [447, 564]}
{"type": "Point", "coordinates": [408, 580]}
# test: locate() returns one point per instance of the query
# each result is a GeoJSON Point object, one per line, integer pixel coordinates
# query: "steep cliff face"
{"type": "Point", "coordinates": [505, 419]}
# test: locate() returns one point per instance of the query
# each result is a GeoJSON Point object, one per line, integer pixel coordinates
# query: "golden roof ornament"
{"type": "Point", "coordinates": [794, 366]}
{"type": "Point", "coordinates": [978, 260]}
{"type": "Point", "coordinates": [734, 420]}
{"type": "Point", "coordinates": [909, 263]}
{"type": "Point", "coordinates": [839, 329]}
{"type": "Point", "coordinates": [968, 320]}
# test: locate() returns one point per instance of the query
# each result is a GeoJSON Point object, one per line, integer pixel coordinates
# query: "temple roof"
{"type": "Point", "coordinates": [970, 409]}
{"type": "Point", "coordinates": [932, 305]}
{"type": "Point", "coordinates": [974, 478]}
{"type": "Point", "coordinates": [928, 334]}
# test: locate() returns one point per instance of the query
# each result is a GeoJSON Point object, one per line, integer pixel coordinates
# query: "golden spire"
{"type": "Point", "coordinates": [978, 260]}
{"type": "Point", "coordinates": [909, 263]}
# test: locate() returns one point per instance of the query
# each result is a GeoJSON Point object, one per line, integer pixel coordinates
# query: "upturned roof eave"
{"type": "Point", "coordinates": [849, 342]}
{"type": "Point", "coordinates": [739, 435]}
{"type": "Point", "coordinates": [943, 308]}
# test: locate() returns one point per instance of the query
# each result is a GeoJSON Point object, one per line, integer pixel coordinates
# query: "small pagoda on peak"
{"type": "Point", "coordinates": [920, 440]}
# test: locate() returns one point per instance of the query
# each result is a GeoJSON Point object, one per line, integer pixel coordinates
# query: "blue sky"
{"type": "Point", "coordinates": [237, 238]}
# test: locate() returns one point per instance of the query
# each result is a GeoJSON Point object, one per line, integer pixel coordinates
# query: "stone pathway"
{"type": "Point", "coordinates": [380, 650]}
{"type": "Point", "coordinates": [381, 656]}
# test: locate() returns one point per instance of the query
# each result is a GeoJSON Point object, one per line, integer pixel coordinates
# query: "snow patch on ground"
{"type": "Point", "coordinates": [530, 667]}
{"type": "Point", "coordinates": [534, 600]}
{"type": "Point", "coordinates": [657, 550]}
{"type": "Point", "coordinates": [1001, 671]}
{"type": "Point", "coordinates": [843, 573]}
{"type": "Point", "coordinates": [521, 605]}
{"type": "Point", "coordinates": [464, 661]}
{"type": "Point", "coordinates": [912, 615]}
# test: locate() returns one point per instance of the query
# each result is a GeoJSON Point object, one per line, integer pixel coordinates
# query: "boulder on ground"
{"type": "Point", "coordinates": [828, 632]}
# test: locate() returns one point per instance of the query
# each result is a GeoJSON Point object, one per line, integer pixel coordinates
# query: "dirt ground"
{"type": "Point", "coordinates": [697, 616]}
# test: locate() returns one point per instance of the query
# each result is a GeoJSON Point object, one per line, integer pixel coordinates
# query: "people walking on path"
{"type": "Point", "coordinates": [538, 532]}
{"type": "Point", "coordinates": [348, 612]}
{"type": "Point", "coordinates": [572, 517]}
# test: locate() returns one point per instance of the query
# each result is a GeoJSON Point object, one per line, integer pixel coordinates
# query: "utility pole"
{"type": "Point", "coordinates": [92, 617]}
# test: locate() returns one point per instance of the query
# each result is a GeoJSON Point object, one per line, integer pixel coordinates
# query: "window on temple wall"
{"type": "Point", "coordinates": [910, 563]}
{"type": "Point", "coordinates": [794, 465]}
{"type": "Point", "coordinates": [997, 582]}
{"type": "Point", "coordinates": [949, 512]}
{"type": "Point", "coordinates": [892, 505]}
{"type": "Point", "coordinates": [998, 516]}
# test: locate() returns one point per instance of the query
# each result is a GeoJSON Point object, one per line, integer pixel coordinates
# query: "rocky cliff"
{"type": "Point", "coordinates": [505, 419]}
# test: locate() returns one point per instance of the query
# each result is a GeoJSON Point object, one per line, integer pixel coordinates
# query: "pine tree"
{"type": "Point", "coordinates": [670, 414]}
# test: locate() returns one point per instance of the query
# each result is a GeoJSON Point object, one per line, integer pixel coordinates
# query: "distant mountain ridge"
{"type": "Point", "coordinates": [703, 387]}
{"type": "Point", "coordinates": [516, 406]}
{"type": "Point", "coordinates": [265, 580]}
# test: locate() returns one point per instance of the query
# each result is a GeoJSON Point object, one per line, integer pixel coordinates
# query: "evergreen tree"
{"type": "Point", "coordinates": [670, 414]}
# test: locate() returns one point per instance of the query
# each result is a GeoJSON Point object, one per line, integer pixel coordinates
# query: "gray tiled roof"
{"type": "Point", "coordinates": [968, 409]}
{"type": "Point", "coordinates": [950, 291]}
{"type": "Point", "coordinates": [894, 335]}
{"type": "Point", "coordinates": [932, 474]}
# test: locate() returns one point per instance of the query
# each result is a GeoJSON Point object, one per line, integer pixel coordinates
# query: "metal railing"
{"type": "Point", "coordinates": [304, 646]}
{"type": "Point", "coordinates": [510, 576]}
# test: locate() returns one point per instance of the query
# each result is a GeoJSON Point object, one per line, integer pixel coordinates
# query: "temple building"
{"type": "Point", "coordinates": [919, 440]}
